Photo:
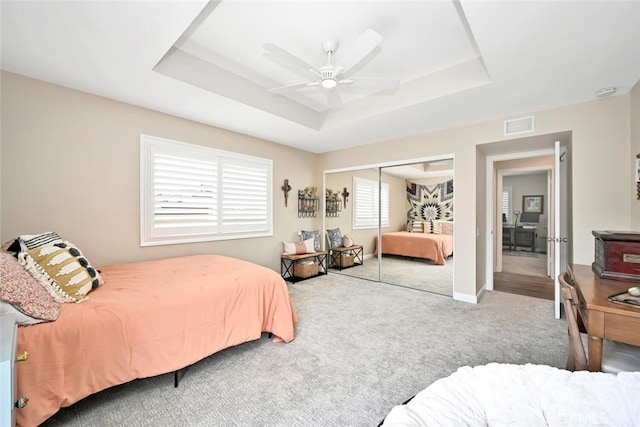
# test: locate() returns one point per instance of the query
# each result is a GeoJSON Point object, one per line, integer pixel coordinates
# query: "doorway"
{"type": "Point", "coordinates": [524, 266]}
{"type": "Point", "coordinates": [528, 155]}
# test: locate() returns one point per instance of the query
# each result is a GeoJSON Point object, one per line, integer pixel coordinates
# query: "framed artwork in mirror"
{"type": "Point", "coordinates": [533, 204]}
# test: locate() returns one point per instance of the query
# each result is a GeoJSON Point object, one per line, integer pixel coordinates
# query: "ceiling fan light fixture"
{"type": "Point", "coordinates": [329, 83]}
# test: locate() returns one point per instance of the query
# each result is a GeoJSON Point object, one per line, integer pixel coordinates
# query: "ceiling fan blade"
{"type": "Point", "coordinates": [371, 83]}
{"type": "Point", "coordinates": [333, 100]}
{"type": "Point", "coordinates": [357, 52]}
{"type": "Point", "coordinates": [286, 59]}
{"type": "Point", "coordinates": [290, 88]}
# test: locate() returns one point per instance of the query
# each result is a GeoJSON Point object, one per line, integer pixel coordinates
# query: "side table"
{"type": "Point", "coordinates": [287, 265]}
{"type": "Point", "coordinates": [337, 257]}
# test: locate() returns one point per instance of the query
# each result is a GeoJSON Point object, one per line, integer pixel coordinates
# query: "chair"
{"type": "Point", "coordinates": [616, 356]}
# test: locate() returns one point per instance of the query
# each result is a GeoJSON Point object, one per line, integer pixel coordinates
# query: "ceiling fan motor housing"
{"type": "Point", "coordinates": [328, 72]}
{"type": "Point", "coordinates": [329, 46]}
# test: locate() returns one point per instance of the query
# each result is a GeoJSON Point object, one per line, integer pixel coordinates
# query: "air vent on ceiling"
{"type": "Point", "coordinates": [521, 125]}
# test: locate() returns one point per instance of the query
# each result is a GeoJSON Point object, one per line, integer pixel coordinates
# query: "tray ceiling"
{"type": "Point", "coordinates": [458, 62]}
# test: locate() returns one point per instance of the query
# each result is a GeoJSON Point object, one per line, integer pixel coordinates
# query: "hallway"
{"type": "Point", "coordinates": [524, 273]}
{"type": "Point", "coordinates": [533, 286]}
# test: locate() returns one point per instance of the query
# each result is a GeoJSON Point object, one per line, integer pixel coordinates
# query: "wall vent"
{"type": "Point", "coordinates": [521, 125]}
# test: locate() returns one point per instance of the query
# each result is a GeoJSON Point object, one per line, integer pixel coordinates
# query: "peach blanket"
{"type": "Point", "coordinates": [436, 247]}
{"type": "Point", "coordinates": [149, 318]}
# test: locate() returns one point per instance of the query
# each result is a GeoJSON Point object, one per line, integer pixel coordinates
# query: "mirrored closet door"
{"type": "Point", "coordinates": [420, 195]}
{"type": "Point", "coordinates": [356, 217]}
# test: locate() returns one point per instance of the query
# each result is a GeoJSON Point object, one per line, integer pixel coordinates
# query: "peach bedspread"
{"type": "Point", "coordinates": [436, 247]}
{"type": "Point", "coordinates": [149, 318]}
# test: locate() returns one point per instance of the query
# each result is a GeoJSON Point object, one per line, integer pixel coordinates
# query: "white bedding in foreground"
{"type": "Point", "coordinates": [523, 395]}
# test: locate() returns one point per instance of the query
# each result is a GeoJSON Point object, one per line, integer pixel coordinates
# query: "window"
{"type": "Point", "coordinates": [191, 193]}
{"type": "Point", "coordinates": [506, 203]}
{"type": "Point", "coordinates": [365, 210]}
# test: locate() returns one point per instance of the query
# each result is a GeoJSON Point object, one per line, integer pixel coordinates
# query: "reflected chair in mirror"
{"type": "Point", "coordinates": [616, 357]}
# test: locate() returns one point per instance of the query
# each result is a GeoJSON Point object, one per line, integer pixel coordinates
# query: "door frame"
{"type": "Point", "coordinates": [491, 214]}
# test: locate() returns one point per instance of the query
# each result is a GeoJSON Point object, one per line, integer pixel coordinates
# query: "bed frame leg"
{"type": "Point", "coordinates": [176, 380]}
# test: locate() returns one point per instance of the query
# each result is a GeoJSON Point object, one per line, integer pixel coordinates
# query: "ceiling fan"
{"type": "Point", "coordinates": [331, 77]}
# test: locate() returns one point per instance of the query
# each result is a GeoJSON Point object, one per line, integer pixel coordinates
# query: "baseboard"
{"type": "Point", "coordinates": [472, 299]}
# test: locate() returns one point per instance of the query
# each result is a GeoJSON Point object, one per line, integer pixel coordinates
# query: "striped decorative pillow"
{"type": "Point", "coordinates": [435, 227]}
{"type": "Point", "coordinates": [417, 226]}
{"type": "Point", "coordinates": [34, 241]}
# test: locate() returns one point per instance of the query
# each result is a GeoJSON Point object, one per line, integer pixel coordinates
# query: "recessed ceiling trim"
{"type": "Point", "coordinates": [449, 81]}
{"type": "Point", "coordinates": [190, 69]}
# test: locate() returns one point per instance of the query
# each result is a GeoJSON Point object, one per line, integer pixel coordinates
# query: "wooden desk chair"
{"type": "Point", "coordinates": [616, 357]}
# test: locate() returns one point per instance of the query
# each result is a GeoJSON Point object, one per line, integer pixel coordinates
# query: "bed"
{"type": "Point", "coordinates": [517, 395]}
{"type": "Point", "coordinates": [435, 247]}
{"type": "Point", "coordinates": [148, 318]}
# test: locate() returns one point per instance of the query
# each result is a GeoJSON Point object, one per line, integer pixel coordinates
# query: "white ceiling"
{"type": "Point", "coordinates": [458, 62]}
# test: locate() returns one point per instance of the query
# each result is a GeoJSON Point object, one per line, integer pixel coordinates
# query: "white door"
{"type": "Point", "coordinates": [559, 237]}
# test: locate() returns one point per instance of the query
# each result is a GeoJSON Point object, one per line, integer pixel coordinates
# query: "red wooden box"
{"type": "Point", "coordinates": [617, 255]}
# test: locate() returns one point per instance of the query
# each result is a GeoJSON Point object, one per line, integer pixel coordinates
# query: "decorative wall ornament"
{"type": "Point", "coordinates": [333, 205]}
{"type": "Point", "coordinates": [430, 203]}
{"type": "Point", "coordinates": [345, 197]}
{"type": "Point", "coordinates": [286, 188]}
{"type": "Point", "coordinates": [308, 202]}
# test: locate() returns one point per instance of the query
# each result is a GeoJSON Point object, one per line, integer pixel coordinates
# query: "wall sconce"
{"type": "Point", "coordinates": [345, 197]}
{"type": "Point", "coordinates": [286, 188]}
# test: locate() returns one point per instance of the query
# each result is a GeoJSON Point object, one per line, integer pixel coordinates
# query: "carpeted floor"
{"type": "Point", "coordinates": [361, 347]}
{"type": "Point", "coordinates": [421, 274]}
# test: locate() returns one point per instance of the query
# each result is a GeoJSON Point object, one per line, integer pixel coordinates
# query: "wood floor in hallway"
{"type": "Point", "coordinates": [533, 286]}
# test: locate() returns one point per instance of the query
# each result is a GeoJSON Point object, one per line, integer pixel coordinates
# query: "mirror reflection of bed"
{"type": "Point", "coordinates": [403, 190]}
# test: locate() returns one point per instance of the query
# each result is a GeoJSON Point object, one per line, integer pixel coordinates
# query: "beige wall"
{"type": "Point", "coordinates": [70, 163]}
{"type": "Point", "coordinates": [600, 147]}
{"type": "Point", "coordinates": [635, 150]}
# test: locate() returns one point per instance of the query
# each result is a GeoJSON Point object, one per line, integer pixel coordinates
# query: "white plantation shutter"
{"type": "Point", "coordinates": [365, 210]}
{"type": "Point", "coordinates": [384, 197]}
{"type": "Point", "coordinates": [191, 193]}
{"type": "Point", "coordinates": [185, 192]}
{"type": "Point", "coordinates": [245, 205]}
{"type": "Point", "coordinates": [506, 202]}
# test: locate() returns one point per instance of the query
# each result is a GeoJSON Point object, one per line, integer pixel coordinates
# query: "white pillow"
{"type": "Point", "coordinates": [297, 248]}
